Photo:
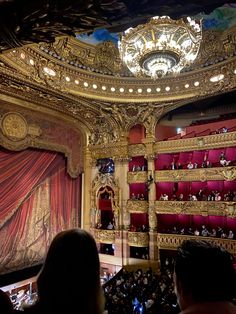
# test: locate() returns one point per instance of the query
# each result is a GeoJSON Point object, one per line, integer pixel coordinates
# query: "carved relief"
{"type": "Point", "coordinates": [138, 239]}
{"type": "Point", "coordinates": [104, 236]}
{"type": "Point", "coordinates": [216, 208]}
{"type": "Point", "coordinates": [191, 144]}
{"type": "Point", "coordinates": [137, 177]}
{"type": "Point", "coordinates": [202, 174]}
{"type": "Point", "coordinates": [173, 241]}
{"type": "Point", "coordinates": [136, 206]}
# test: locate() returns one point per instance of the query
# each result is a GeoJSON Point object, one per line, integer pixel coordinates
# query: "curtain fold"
{"type": "Point", "coordinates": [38, 199]}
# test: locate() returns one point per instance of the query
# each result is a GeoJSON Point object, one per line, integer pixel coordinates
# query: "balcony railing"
{"type": "Point", "coordinates": [173, 241]}
{"type": "Point", "coordinates": [196, 143]}
{"type": "Point", "coordinates": [201, 174]}
{"type": "Point", "coordinates": [138, 239]}
{"type": "Point", "coordinates": [137, 177]}
{"type": "Point", "coordinates": [206, 208]}
{"type": "Point", "coordinates": [137, 206]}
{"type": "Point", "coordinates": [104, 236]}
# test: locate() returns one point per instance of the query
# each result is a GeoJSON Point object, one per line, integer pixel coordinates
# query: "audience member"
{"type": "Point", "coordinates": [204, 279]}
{"type": "Point", "coordinates": [6, 307]}
{"type": "Point", "coordinates": [69, 281]}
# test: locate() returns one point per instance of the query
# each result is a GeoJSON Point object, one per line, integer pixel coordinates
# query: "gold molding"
{"type": "Point", "coordinates": [137, 177]}
{"type": "Point", "coordinates": [101, 66]}
{"type": "Point", "coordinates": [137, 150]}
{"type": "Point", "coordinates": [137, 206]}
{"type": "Point", "coordinates": [138, 239]}
{"type": "Point", "coordinates": [196, 143]}
{"type": "Point", "coordinates": [205, 208]}
{"type": "Point", "coordinates": [104, 236]}
{"type": "Point", "coordinates": [173, 241]}
{"type": "Point", "coordinates": [201, 174]}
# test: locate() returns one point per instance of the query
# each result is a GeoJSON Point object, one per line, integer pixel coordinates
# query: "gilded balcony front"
{"type": "Point", "coordinates": [196, 143]}
{"type": "Point", "coordinates": [172, 241]}
{"type": "Point", "coordinates": [104, 236]}
{"type": "Point", "coordinates": [201, 174]}
{"type": "Point", "coordinates": [137, 206]}
{"type": "Point", "coordinates": [206, 208]}
{"type": "Point", "coordinates": [139, 239]}
{"type": "Point", "coordinates": [137, 177]}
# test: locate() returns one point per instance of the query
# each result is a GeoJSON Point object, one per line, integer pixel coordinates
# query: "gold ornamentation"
{"type": "Point", "coordinates": [136, 206]}
{"type": "Point", "coordinates": [137, 177]}
{"type": "Point", "coordinates": [173, 241]}
{"type": "Point", "coordinates": [104, 236]}
{"type": "Point", "coordinates": [205, 208]}
{"type": "Point", "coordinates": [201, 174]}
{"type": "Point", "coordinates": [191, 144]}
{"type": "Point", "coordinates": [14, 126]}
{"type": "Point", "coordinates": [138, 239]}
{"type": "Point", "coordinates": [137, 150]}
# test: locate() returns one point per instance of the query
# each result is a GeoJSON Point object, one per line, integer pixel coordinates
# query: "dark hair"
{"type": "Point", "coordinates": [5, 303]}
{"type": "Point", "coordinates": [70, 278]}
{"type": "Point", "coordinates": [206, 271]}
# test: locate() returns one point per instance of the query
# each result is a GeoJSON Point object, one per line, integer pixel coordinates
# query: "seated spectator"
{"type": "Point", "coordinates": [204, 278]}
{"type": "Point", "coordinates": [223, 161]}
{"type": "Point", "coordinates": [195, 165]}
{"type": "Point", "coordinates": [231, 234]}
{"type": "Point", "coordinates": [6, 305]}
{"type": "Point", "coordinates": [165, 197]}
{"type": "Point", "coordinates": [181, 197]}
{"type": "Point", "coordinates": [173, 166]}
{"type": "Point", "coordinates": [69, 281]}
{"type": "Point", "coordinates": [179, 166]}
{"type": "Point", "coordinates": [110, 226]}
{"type": "Point", "coordinates": [190, 165]}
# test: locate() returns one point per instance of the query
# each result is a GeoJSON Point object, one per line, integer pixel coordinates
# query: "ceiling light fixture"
{"type": "Point", "coordinates": [162, 46]}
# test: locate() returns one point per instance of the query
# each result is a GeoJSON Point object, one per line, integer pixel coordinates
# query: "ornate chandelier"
{"type": "Point", "coordinates": [162, 46]}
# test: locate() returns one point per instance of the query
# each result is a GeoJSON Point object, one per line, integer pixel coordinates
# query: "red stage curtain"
{"type": "Point", "coordinates": [38, 199]}
{"type": "Point", "coordinates": [20, 173]}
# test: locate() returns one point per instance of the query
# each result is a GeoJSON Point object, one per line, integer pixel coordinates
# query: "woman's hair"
{"type": "Point", "coordinates": [70, 278]}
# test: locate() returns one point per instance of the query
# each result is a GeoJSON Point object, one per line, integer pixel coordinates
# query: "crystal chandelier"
{"type": "Point", "coordinates": [162, 46]}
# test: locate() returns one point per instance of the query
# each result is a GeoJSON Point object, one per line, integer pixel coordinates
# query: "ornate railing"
{"type": "Point", "coordinates": [201, 174]}
{"type": "Point", "coordinates": [137, 177]}
{"type": "Point", "coordinates": [104, 236]}
{"type": "Point", "coordinates": [137, 206]}
{"type": "Point", "coordinates": [172, 241]}
{"type": "Point", "coordinates": [210, 208]}
{"type": "Point", "coordinates": [140, 239]}
{"type": "Point", "coordinates": [196, 143]}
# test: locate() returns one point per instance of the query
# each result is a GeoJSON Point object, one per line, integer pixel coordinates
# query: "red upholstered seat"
{"type": "Point", "coordinates": [189, 135]}
{"type": "Point", "coordinates": [203, 133]}
{"type": "Point", "coordinates": [175, 137]}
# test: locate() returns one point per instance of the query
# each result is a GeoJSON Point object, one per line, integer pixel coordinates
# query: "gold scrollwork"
{"type": "Point", "coordinates": [139, 239]}
{"type": "Point", "coordinates": [206, 208]}
{"type": "Point", "coordinates": [14, 126]}
{"type": "Point", "coordinates": [137, 206]}
{"type": "Point", "coordinates": [201, 174]}
{"type": "Point", "coordinates": [139, 176]}
{"type": "Point", "coordinates": [173, 241]}
{"type": "Point", "coordinates": [104, 236]}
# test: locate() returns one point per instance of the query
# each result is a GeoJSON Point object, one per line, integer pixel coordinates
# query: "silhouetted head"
{"type": "Point", "coordinates": [6, 306]}
{"type": "Point", "coordinates": [203, 272]}
{"type": "Point", "coordinates": [70, 278]}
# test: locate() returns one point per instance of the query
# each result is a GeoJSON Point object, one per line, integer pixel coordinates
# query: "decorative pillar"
{"type": "Point", "coordinates": [121, 246]}
{"type": "Point", "coordinates": [86, 201]}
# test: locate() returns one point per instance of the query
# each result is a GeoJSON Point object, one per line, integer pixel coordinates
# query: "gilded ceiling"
{"type": "Point", "coordinates": [88, 84]}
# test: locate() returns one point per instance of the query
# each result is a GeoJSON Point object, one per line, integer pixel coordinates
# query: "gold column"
{"type": "Point", "coordinates": [86, 190]}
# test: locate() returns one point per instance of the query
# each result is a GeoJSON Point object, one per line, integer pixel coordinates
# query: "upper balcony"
{"type": "Point", "coordinates": [138, 239]}
{"type": "Point", "coordinates": [137, 206]}
{"type": "Point", "coordinates": [204, 208]}
{"type": "Point", "coordinates": [199, 174]}
{"type": "Point", "coordinates": [173, 241]}
{"type": "Point", "coordinates": [137, 177]}
{"type": "Point", "coordinates": [104, 236]}
{"type": "Point", "coordinates": [196, 143]}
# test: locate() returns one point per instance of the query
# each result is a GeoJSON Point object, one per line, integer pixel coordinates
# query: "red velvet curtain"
{"type": "Point", "coordinates": [22, 174]}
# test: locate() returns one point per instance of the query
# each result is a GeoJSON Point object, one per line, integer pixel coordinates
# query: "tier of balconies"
{"type": "Point", "coordinates": [173, 241]}
{"type": "Point", "coordinates": [204, 208]}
